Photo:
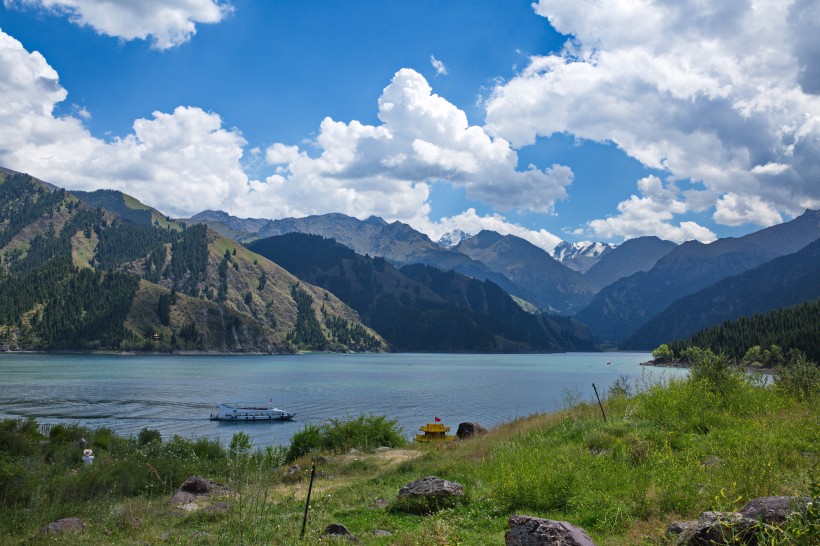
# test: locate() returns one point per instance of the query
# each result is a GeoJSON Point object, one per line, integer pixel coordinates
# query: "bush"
{"type": "Point", "coordinates": [799, 378]}
{"type": "Point", "coordinates": [148, 435]}
{"type": "Point", "coordinates": [365, 432]}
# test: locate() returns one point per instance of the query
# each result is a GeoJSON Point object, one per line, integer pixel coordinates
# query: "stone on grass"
{"type": "Point", "coordinates": [431, 486]}
{"type": "Point", "coordinates": [195, 492]}
{"type": "Point", "coordinates": [774, 509]}
{"type": "Point", "coordinates": [337, 530]}
{"type": "Point", "coordinates": [714, 528]}
{"type": "Point", "coordinates": [62, 525]}
{"type": "Point", "coordinates": [468, 430]}
{"type": "Point", "coordinates": [532, 531]}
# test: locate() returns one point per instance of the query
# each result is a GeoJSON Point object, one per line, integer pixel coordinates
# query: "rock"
{"type": "Point", "coordinates": [773, 509]}
{"type": "Point", "coordinates": [381, 503]}
{"type": "Point", "coordinates": [193, 491]}
{"type": "Point", "coordinates": [293, 470]}
{"type": "Point", "coordinates": [431, 486]}
{"type": "Point", "coordinates": [62, 525]}
{"type": "Point", "coordinates": [337, 530]}
{"type": "Point", "coordinates": [468, 430]}
{"type": "Point", "coordinates": [714, 528]}
{"type": "Point", "coordinates": [532, 531]}
{"type": "Point", "coordinates": [382, 533]}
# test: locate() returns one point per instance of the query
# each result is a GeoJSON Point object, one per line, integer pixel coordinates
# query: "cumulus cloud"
{"type": "Point", "coordinates": [650, 215]}
{"type": "Point", "coordinates": [441, 70]}
{"type": "Point", "coordinates": [181, 162]}
{"type": "Point", "coordinates": [167, 23]}
{"type": "Point", "coordinates": [385, 169]}
{"type": "Point", "coordinates": [470, 221]}
{"type": "Point", "coordinates": [720, 93]}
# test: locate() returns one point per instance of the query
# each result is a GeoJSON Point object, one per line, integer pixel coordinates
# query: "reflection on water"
{"type": "Point", "coordinates": [175, 394]}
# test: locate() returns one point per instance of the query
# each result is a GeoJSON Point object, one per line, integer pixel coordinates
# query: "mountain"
{"type": "Point", "coordinates": [124, 207]}
{"type": "Point", "coordinates": [397, 242]}
{"type": "Point", "coordinates": [420, 308]}
{"type": "Point", "coordinates": [782, 282]}
{"type": "Point", "coordinates": [540, 279]}
{"type": "Point", "coordinates": [632, 256]}
{"type": "Point", "coordinates": [77, 276]}
{"type": "Point", "coordinates": [796, 327]}
{"type": "Point", "coordinates": [621, 308]}
{"type": "Point", "coordinates": [580, 256]}
{"type": "Point", "coordinates": [451, 239]}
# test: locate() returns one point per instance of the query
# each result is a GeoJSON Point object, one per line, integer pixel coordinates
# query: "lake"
{"type": "Point", "coordinates": [176, 394]}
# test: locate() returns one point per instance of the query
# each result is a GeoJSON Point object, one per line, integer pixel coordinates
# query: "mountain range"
{"type": "Point", "coordinates": [193, 284]}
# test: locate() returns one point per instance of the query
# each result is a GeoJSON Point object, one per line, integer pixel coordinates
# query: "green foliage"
{"type": "Point", "coordinates": [795, 327]}
{"type": "Point", "coordinates": [241, 444]}
{"type": "Point", "coordinates": [663, 353]}
{"type": "Point", "coordinates": [147, 436]}
{"type": "Point", "coordinates": [365, 432]}
{"type": "Point", "coordinates": [799, 377]}
{"type": "Point", "coordinates": [351, 335]}
{"type": "Point", "coordinates": [307, 332]}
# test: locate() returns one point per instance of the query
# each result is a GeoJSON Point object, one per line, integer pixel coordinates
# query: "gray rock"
{"type": "Point", "coordinates": [431, 486]}
{"type": "Point", "coordinates": [532, 531]}
{"type": "Point", "coordinates": [194, 490]}
{"type": "Point", "coordinates": [774, 509]}
{"type": "Point", "coordinates": [714, 528]}
{"type": "Point", "coordinates": [337, 530]}
{"type": "Point", "coordinates": [62, 525]}
{"type": "Point", "coordinates": [382, 533]}
{"type": "Point", "coordinates": [381, 503]}
{"type": "Point", "coordinates": [468, 430]}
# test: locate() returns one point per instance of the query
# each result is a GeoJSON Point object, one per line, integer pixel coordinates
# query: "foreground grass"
{"type": "Point", "coordinates": [669, 452]}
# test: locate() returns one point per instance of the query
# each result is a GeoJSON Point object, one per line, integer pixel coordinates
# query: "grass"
{"type": "Point", "coordinates": [709, 442]}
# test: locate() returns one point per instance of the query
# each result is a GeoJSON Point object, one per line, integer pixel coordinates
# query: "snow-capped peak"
{"type": "Point", "coordinates": [451, 239]}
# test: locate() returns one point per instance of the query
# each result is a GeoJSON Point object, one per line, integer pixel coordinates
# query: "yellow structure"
{"type": "Point", "coordinates": [434, 432]}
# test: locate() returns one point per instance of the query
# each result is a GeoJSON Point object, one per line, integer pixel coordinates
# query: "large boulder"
{"type": "Point", "coordinates": [714, 528]}
{"type": "Point", "coordinates": [532, 531]}
{"type": "Point", "coordinates": [431, 486]}
{"type": "Point", "coordinates": [62, 525]}
{"type": "Point", "coordinates": [468, 430]}
{"type": "Point", "coordinates": [195, 493]}
{"type": "Point", "coordinates": [774, 510]}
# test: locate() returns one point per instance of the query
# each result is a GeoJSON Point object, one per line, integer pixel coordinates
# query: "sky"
{"type": "Point", "coordinates": [556, 120]}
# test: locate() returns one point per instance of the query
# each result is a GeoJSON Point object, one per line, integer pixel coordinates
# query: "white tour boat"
{"type": "Point", "coordinates": [237, 411]}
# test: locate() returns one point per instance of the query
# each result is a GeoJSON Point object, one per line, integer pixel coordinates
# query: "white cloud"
{"type": "Point", "coordinates": [649, 215]}
{"type": "Point", "coordinates": [470, 222]}
{"type": "Point", "coordinates": [384, 169]}
{"type": "Point", "coordinates": [723, 93]}
{"type": "Point", "coordinates": [441, 70]}
{"type": "Point", "coordinates": [180, 162]}
{"type": "Point", "coordinates": [168, 23]}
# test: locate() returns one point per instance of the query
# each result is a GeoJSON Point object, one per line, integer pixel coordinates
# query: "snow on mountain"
{"type": "Point", "coordinates": [449, 240]}
{"type": "Point", "coordinates": [582, 255]}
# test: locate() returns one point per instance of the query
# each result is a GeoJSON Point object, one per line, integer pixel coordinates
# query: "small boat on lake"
{"type": "Point", "coordinates": [238, 411]}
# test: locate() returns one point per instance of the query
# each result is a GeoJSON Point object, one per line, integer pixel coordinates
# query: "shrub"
{"type": "Point", "coordinates": [148, 435]}
{"type": "Point", "coordinates": [365, 432]}
{"type": "Point", "coordinates": [799, 378]}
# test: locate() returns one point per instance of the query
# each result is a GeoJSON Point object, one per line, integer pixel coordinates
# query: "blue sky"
{"type": "Point", "coordinates": [556, 120]}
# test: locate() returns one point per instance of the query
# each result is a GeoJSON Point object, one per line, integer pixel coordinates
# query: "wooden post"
{"type": "Point", "coordinates": [599, 402]}
{"type": "Point", "coordinates": [307, 502]}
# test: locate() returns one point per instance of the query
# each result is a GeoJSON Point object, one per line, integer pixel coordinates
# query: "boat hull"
{"type": "Point", "coordinates": [243, 418]}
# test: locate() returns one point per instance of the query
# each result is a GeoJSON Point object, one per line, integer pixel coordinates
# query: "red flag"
{"type": "Point", "coordinates": [438, 420]}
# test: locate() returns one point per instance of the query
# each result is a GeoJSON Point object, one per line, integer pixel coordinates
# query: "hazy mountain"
{"type": "Point", "coordinates": [632, 256]}
{"type": "Point", "coordinates": [418, 307]}
{"type": "Point", "coordinates": [397, 242]}
{"type": "Point", "coordinates": [782, 282]}
{"type": "Point", "coordinates": [581, 256]}
{"type": "Point", "coordinates": [621, 308]}
{"type": "Point", "coordinates": [76, 276]}
{"type": "Point", "coordinates": [541, 279]}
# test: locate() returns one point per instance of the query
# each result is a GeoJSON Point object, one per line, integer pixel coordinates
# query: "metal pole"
{"type": "Point", "coordinates": [599, 401]}
{"type": "Point", "coordinates": [307, 502]}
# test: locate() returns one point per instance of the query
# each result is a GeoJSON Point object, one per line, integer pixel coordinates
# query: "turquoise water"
{"type": "Point", "coordinates": [176, 394]}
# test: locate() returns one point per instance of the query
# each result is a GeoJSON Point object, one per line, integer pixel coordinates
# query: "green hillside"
{"type": "Point", "coordinates": [73, 276]}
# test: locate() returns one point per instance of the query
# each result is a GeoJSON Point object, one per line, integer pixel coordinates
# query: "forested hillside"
{"type": "Point", "coordinates": [419, 307]}
{"type": "Point", "coordinates": [782, 282]}
{"type": "Point", "coordinates": [73, 276]}
{"type": "Point", "coordinates": [796, 327]}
